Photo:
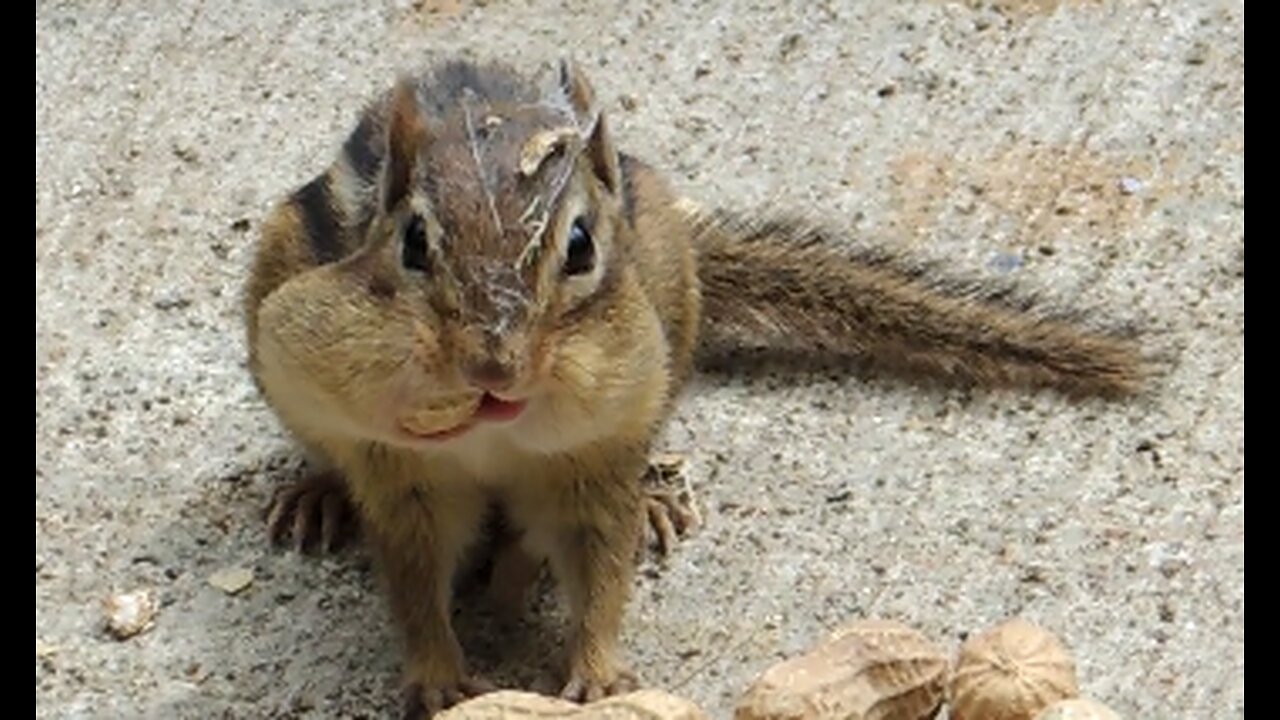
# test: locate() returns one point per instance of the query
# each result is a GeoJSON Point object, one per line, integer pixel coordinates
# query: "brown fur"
{"type": "Point", "coordinates": [788, 286]}
{"type": "Point", "coordinates": [344, 348]}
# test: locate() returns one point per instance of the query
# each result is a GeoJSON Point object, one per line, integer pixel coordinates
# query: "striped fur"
{"type": "Point", "coordinates": [791, 288]}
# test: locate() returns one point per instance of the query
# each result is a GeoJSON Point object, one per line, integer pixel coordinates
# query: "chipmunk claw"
{"type": "Point", "coordinates": [586, 689]}
{"type": "Point", "coordinates": [670, 518]}
{"type": "Point", "coordinates": [670, 508]}
{"type": "Point", "coordinates": [423, 701]}
{"type": "Point", "coordinates": [312, 512]}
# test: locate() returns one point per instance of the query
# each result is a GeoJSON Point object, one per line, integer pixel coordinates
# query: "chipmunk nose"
{"type": "Point", "coordinates": [490, 375]}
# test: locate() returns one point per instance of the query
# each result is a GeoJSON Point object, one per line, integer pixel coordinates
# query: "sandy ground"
{"type": "Point", "coordinates": [1091, 149]}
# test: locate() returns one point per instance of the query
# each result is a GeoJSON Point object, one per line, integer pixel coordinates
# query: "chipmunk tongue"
{"type": "Point", "coordinates": [499, 410]}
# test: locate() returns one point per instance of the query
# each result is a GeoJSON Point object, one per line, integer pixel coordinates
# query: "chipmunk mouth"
{"type": "Point", "coordinates": [495, 409]}
{"type": "Point", "coordinates": [490, 408]}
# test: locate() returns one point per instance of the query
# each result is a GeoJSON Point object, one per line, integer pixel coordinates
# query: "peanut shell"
{"type": "Point", "coordinates": [511, 704]}
{"type": "Point", "coordinates": [1011, 672]}
{"type": "Point", "coordinates": [867, 670]}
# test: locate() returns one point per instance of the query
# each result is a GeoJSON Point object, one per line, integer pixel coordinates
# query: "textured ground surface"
{"type": "Point", "coordinates": [1095, 149]}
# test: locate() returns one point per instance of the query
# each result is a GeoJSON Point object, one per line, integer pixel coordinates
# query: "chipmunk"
{"type": "Point", "coordinates": [483, 304]}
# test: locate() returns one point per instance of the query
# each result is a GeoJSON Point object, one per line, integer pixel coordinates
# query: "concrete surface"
{"type": "Point", "coordinates": [1093, 149]}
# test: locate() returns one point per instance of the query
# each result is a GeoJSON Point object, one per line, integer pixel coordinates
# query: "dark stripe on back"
{"type": "Point", "coordinates": [627, 168]}
{"type": "Point", "coordinates": [362, 154]}
{"type": "Point", "coordinates": [324, 233]}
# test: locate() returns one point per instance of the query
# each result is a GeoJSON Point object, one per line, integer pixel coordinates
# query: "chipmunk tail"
{"type": "Point", "coordinates": [789, 287]}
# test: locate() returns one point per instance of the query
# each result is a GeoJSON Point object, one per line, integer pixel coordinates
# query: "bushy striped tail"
{"type": "Point", "coordinates": [786, 286]}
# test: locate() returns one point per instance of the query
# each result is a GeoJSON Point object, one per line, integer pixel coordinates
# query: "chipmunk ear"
{"type": "Point", "coordinates": [599, 148]}
{"type": "Point", "coordinates": [406, 134]}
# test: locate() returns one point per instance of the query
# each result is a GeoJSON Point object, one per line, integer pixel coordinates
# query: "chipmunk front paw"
{"type": "Point", "coordinates": [314, 512]}
{"type": "Point", "coordinates": [670, 518]}
{"type": "Point", "coordinates": [669, 505]}
{"type": "Point", "coordinates": [424, 699]}
{"type": "Point", "coordinates": [589, 684]}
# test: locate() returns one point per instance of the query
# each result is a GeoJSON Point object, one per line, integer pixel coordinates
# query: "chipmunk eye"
{"type": "Point", "coordinates": [413, 246]}
{"type": "Point", "coordinates": [581, 257]}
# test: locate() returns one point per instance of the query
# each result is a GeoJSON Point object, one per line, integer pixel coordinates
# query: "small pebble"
{"type": "Point", "coordinates": [131, 613]}
{"type": "Point", "coordinates": [232, 580]}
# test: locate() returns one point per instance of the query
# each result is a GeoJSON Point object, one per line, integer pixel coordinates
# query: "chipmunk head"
{"type": "Point", "coordinates": [493, 288]}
